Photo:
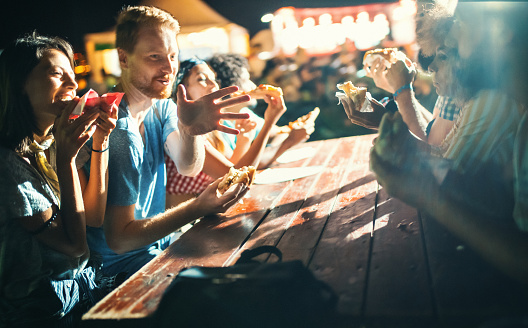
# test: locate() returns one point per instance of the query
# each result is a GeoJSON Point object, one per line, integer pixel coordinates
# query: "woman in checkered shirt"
{"type": "Point", "coordinates": [221, 152]}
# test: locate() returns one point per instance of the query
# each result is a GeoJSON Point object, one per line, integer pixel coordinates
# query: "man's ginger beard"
{"type": "Point", "coordinates": [138, 81]}
{"type": "Point", "coordinates": [149, 91]}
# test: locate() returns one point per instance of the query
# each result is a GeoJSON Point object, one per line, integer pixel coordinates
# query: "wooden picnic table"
{"type": "Point", "coordinates": [389, 265]}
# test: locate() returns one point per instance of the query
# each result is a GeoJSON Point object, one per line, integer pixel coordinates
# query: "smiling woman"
{"type": "Point", "coordinates": [41, 220]}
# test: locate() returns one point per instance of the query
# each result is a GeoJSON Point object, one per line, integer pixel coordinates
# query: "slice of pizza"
{"type": "Point", "coordinates": [260, 92]}
{"type": "Point", "coordinates": [305, 119]}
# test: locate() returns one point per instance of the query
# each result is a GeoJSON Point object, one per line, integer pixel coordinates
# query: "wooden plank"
{"type": "Point", "coordinates": [468, 290]}
{"type": "Point", "coordinates": [285, 212]}
{"type": "Point", "coordinates": [303, 234]}
{"type": "Point", "coordinates": [341, 255]}
{"type": "Point", "coordinates": [209, 243]}
{"type": "Point", "coordinates": [398, 282]}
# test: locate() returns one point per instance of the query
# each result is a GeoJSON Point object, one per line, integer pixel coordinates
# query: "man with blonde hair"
{"type": "Point", "coordinates": [136, 226]}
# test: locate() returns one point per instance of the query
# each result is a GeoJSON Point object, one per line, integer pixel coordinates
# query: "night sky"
{"type": "Point", "coordinates": [73, 19]}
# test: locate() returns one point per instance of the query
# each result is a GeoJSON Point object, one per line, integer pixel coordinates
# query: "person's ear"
{"type": "Point", "coordinates": [123, 58]}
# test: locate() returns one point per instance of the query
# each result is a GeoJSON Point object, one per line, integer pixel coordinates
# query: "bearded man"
{"type": "Point", "coordinates": [136, 227]}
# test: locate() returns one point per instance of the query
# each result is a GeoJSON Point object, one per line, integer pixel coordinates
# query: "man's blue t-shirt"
{"type": "Point", "coordinates": [136, 175]}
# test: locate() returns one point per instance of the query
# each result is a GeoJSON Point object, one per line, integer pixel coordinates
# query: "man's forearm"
{"type": "Point", "coordinates": [124, 237]}
{"type": "Point", "coordinates": [412, 113]}
{"type": "Point", "coordinates": [192, 156]}
{"type": "Point", "coordinates": [187, 151]}
{"type": "Point", "coordinates": [501, 244]}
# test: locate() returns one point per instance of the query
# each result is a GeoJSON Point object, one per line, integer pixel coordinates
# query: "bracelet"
{"type": "Point", "coordinates": [46, 224]}
{"type": "Point", "coordinates": [405, 86]}
{"type": "Point", "coordinates": [100, 151]}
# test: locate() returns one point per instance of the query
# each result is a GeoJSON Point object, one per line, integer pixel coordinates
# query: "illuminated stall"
{"type": "Point", "coordinates": [326, 30]}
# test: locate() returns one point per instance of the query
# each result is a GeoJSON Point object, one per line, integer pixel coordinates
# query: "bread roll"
{"type": "Point", "coordinates": [244, 175]}
{"type": "Point", "coordinates": [356, 95]}
{"type": "Point", "coordinates": [391, 55]}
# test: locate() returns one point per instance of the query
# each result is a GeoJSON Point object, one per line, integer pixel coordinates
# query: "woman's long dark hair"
{"type": "Point", "coordinates": [17, 120]}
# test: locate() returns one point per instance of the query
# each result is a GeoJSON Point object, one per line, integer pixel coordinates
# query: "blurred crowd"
{"type": "Point", "coordinates": [310, 81]}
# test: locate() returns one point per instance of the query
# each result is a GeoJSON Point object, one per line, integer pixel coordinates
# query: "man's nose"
{"type": "Point", "coordinates": [168, 66]}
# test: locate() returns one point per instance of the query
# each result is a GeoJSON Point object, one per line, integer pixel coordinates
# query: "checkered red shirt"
{"type": "Point", "coordinates": [180, 184]}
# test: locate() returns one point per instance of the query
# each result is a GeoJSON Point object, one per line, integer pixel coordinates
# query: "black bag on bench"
{"type": "Point", "coordinates": [247, 294]}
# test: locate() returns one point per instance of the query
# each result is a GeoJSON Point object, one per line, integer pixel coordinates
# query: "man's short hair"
{"type": "Point", "coordinates": [131, 19]}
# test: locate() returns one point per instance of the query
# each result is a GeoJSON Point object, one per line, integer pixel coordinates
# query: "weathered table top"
{"type": "Point", "coordinates": [387, 263]}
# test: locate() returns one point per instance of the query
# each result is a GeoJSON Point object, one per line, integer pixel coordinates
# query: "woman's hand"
{"type": "Point", "coordinates": [106, 123]}
{"type": "Point", "coordinates": [276, 107]}
{"type": "Point", "coordinates": [300, 134]}
{"type": "Point", "coordinates": [71, 135]}
{"type": "Point", "coordinates": [378, 72]}
{"type": "Point", "coordinates": [204, 114]}
{"type": "Point", "coordinates": [401, 73]}
{"type": "Point", "coordinates": [246, 127]}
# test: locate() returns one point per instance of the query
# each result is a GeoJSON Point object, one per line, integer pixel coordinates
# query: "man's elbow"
{"type": "Point", "coordinates": [116, 244]}
{"type": "Point", "coordinates": [190, 170]}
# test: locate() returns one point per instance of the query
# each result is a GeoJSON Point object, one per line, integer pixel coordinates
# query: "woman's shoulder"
{"type": "Point", "coordinates": [23, 190]}
{"type": "Point", "coordinates": [11, 162]}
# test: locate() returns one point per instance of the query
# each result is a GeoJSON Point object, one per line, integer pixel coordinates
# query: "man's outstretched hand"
{"type": "Point", "coordinates": [204, 114]}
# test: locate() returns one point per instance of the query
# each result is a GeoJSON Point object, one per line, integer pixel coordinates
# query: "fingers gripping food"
{"type": "Point", "coordinates": [244, 175]}
{"type": "Point", "coordinates": [261, 91]}
{"type": "Point", "coordinates": [355, 96]}
{"type": "Point", "coordinates": [391, 55]}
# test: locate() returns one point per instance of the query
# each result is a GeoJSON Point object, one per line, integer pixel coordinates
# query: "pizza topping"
{"type": "Point", "coordinates": [305, 119]}
{"type": "Point", "coordinates": [261, 91]}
